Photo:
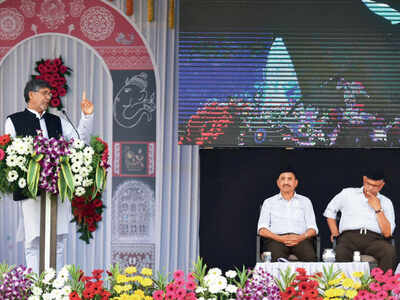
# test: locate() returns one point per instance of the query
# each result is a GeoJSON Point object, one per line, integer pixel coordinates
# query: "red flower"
{"type": "Point", "coordinates": [311, 293]}
{"type": "Point", "coordinates": [92, 228]}
{"type": "Point", "coordinates": [97, 203]}
{"type": "Point", "coordinates": [89, 220]}
{"type": "Point", "coordinates": [62, 92]}
{"type": "Point", "coordinates": [63, 69]}
{"type": "Point", "coordinates": [301, 271]}
{"type": "Point", "coordinates": [4, 139]}
{"type": "Point", "coordinates": [97, 218]}
{"type": "Point", "coordinates": [2, 154]}
{"type": "Point", "coordinates": [55, 102]}
{"type": "Point", "coordinates": [57, 61]}
{"type": "Point", "coordinates": [290, 291]}
{"type": "Point", "coordinates": [54, 92]}
{"type": "Point", "coordinates": [74, 296]}
{"type": "Point", "coordinates": [97, 273]}
{"type": "Point", "coordinates": [303, 286]}
{"type": "Point", "coordinates": [41, 68]}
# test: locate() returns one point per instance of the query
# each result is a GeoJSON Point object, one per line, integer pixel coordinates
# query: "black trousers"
{"type": "Point", "coordinates": [304, 251]}
{"type": "Point", "coordinates": [371, 243]}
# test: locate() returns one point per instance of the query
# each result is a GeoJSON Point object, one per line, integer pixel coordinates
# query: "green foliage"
{"type": "Point", "coordinates": [287, 278]}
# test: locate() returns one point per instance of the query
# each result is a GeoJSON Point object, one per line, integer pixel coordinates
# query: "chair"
{"type": "Point", "coordinates": [364, 257]}
{"type": "Point", "coordinates": [316, 243]}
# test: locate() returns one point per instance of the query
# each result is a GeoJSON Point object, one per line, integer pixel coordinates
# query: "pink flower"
{"type": "Point", "coordinates": [396, 290]}
{"type": "Point", "coordinates": [376, 271]}
{"type": "Point", "coordinates": [380, 278]}
{"type": "Point", "coordinates": [191, 296]}
{"type": "Point", "coordinates": [170, 296]}
{"type": "Point", "coordinates": [389, 273]}
{"type": "Point", "coordinates": [170, 288]}
{"type": "Point", "coordinates": [178, 274]}
{"type": "Point", "coordinates": [2, 154]}
{"type": "Point", "coordinates": [180, 293]}
{"type": "Point", "coordinates": [191, 285]}
{"type": "Point", "coordinates": [381, 295]}
{"type": "Point", "coordinates": [387, 287]}
{"type": "Point", "coordinates": [180, 282]}
{"type": "Point", "coordinates": [158, 295]}
{"type": "Point", "coordinates": [375, 287]}
{"type": "Point", "coordinates": [392, 298]}
{"type": "Point", "coordinates": [191, 277]}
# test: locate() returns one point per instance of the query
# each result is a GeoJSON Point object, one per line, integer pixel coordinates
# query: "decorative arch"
{"type": "Point", "coordinates": [115, 40]}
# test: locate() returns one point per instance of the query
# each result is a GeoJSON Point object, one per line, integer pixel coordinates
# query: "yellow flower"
{"type": "Point", "coordinates": [121, 278]}
{"type": "Point", "coordinates": [139, 293]}
{"type": "Point", "coordinates": [357, 285]}
{"type": "Point", "coordinates": [126, 297]}
{"type": "Point", "coordinates": [329, 293]}
{"type": "Point", "coordinates": [340, 292]}
{"type": "Point", "coordinates": [351, 294]}
{"type": "Point", "coordinates": [130, 270]}
{"type": "Point", "coordinates": [148, 298]}
{"type": "Point", "coordinates": [147, 272]}
{"type": "Point", "coordinates": [358, 274]}
{"type": "Point", "coordinates": [136, 297]}
{"type": "Point", "coordinates": [127, 287]}
{"type": "Point", "coordinates": [348, 282]}
{"type": "Point", "coordinates": [147, 282]}
{"type": "Point", "coordinates": [118, 288]}
{"type": "Point", "coordinates": [343, 275]}
{"type": "Point", "coordinates": [137, 278]}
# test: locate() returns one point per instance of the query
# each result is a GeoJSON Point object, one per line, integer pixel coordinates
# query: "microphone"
{"type": "Point", "coordinates": [66, 116]}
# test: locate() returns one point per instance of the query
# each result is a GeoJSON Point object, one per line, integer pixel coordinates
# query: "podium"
{"type": "Point", "coordinates": [48, 231]}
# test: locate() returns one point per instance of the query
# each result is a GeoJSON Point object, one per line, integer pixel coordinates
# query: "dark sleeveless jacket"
{"type": "Point", "coordinates": [26, 123]}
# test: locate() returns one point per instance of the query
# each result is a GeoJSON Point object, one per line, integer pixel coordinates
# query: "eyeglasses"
{"type": "Point", "coordinates": [45, 93]}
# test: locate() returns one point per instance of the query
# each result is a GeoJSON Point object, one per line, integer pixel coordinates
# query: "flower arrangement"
{"type": "Point", "coordinates": [88, 167]}
{"type": "Point", "coordinates": [87, 287]}
{"type": "Point", "coordinates": [303, 286]}
{"type": "Point", "coordinates": [69, 169]}
{"type": "Point", "coordinates": [261, 285]}
{"type": "Point", "coordinates": [380, 286]}
{"type": "Point", "coordinates": [129, 284]}
{"type": "Point", "coordinates": [50, 285]}
{"type": "Point", "coordinates": [54, 72]}
{"type": "Point", "coordinates": [15, 155]}
{"type": "Point", "coordinates": [15, 282]}
{"type": "Point", "coordinates": [179, 288]}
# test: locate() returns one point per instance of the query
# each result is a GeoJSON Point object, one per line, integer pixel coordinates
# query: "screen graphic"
{"type": "Point", "coordinates": [289, 73]}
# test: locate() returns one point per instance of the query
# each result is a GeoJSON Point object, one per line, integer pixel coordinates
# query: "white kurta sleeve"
{"type": "Point", "coordinates": [265, 216]}
{"type": "Point", "coordinates": [85, 128]}
{"type": "Point", "coordinates": [9, 128]}
{"type": "Point", "coordinates": [334, 206]}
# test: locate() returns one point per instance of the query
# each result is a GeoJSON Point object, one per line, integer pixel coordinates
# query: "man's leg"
{"type": "Point", "coordinates": [277, 249]}
{"type": "Point", "coordinates": [305, 251]}
{"type": "Point", "coordinates": [384, 253]}
{"type": "Point", "coordinates": [32, 254]}
{"type": "Point", "coordinates": [347, 243]}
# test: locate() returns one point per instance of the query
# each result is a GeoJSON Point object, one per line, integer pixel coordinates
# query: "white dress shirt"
{"type": "Point", "coordinates": [280, 216]}
{"type": "Point", "coordinates": [356, 212]}
{"type": "Point", "coordinates": [31, 207]}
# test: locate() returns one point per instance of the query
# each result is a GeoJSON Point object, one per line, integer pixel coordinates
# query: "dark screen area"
{"type": "Point", "coordinates": [235, 182]}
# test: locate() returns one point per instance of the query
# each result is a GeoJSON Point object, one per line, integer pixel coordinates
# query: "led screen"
{"type": "Point", "coordinates": [289, 73]}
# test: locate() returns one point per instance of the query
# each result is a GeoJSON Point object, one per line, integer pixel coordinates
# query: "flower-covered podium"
{"type": "Point", "coordinates": [56, 169]}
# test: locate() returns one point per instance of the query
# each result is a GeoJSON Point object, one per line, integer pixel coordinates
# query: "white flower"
{"type": "Point", "coordinates": [47, 296]}
{"type": "Point", "coordinates": [89, 169]}
{"type": "Point", "coordinates": [58, 283]}
{"type": "Point", "coordinates": [34, 297]}
{"type": "Point", "coordinates": [11, 160]}
{"type": "Point", "coordinates": [200, 290]}
{"type": "Point", "coordinates": [21, 183]}
{"type": "Point", "coordinates": [64, 273]}
{"type": "Point", "coordinates": [75, 168]}
{"type": "Point", "coordinates": [231, 274]}
{"type": "Point", "coordinates": [87, 160]}
{"type": "Point", "coordinates": [201, 298]}
{"type": "Point", "coordinates": [66, 290]}
{"type": "Point", "coordinates": [88, 151]}
{"type": "Point", "coordinates": [79, 191]}
{"type": "Point", "coordinates": [87, 182]}
{"type": "Point", "coordinates": [78, 180]}
{"type": "Point", "coordinates": [210, 278]}
{"type": "Point", "coordinates": [37, 291]}
{"type": "Point", "coordinates": [78, 144]}
{"type": "Point", "coordinates": [72, 151]}
{"type": "Point", "coordinates": [215, 271]}
{"type": "Point", "coordinates": [84, 172]}
{"type": "Point", "coordinates": [49, 275]}
{"type": "Point", "coordinates": [230, 288]}
{"type": "Point", "coordinates": [12, 176]}
{"type": "Point", "coordinates": [214, 289]}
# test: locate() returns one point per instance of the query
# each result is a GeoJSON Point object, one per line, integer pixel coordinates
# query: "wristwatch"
{"type": "Point", "coordinates": [378, 211]}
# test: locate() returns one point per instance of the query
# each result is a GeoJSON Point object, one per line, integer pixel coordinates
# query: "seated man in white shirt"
{"type": "Point", "coordinates": [287, 221]}
{"type": "Point", "coordinates": [366, 223]}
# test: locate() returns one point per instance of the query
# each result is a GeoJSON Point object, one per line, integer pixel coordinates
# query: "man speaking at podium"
{"type": "Point", "coordinates": [24, 123]}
